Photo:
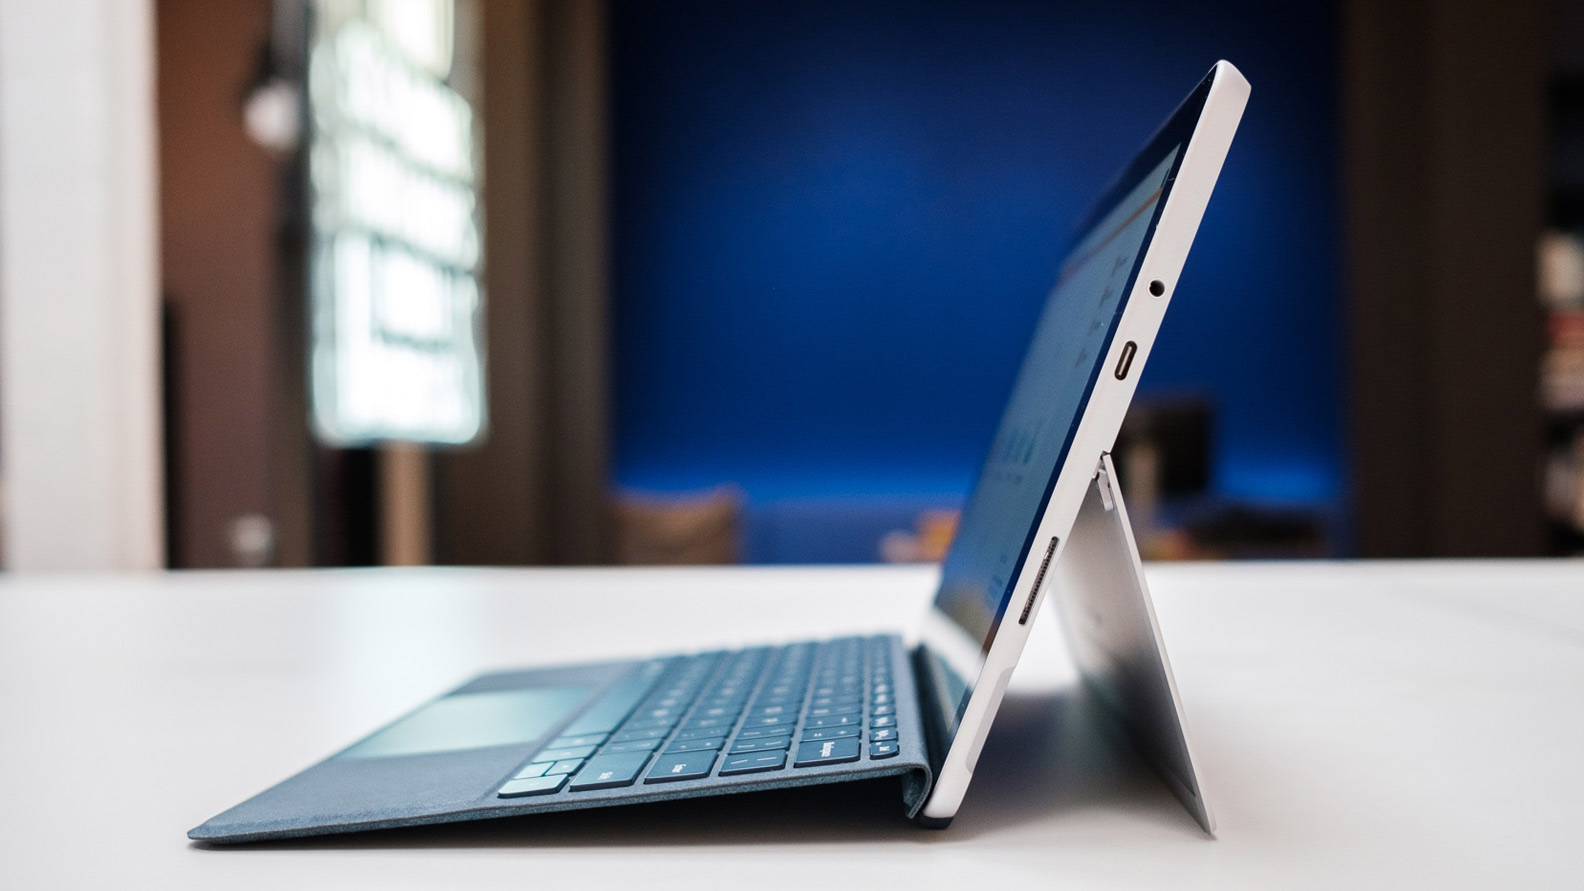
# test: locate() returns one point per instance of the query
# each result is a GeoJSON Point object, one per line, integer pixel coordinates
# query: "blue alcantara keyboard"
{"type": "Point", "coordinates": [726, 713]}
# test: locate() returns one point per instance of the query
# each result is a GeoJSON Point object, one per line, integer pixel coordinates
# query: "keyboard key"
{"type": "Point", "coordinates": [647, 733]}
{"type": "Point", "coordinates": [703, 732]}
{"type": "Point", "coordinates": [824, 711]}
{"type": "Point", "coordinates": [758, 732]}
{"type": "Point", "coordinates": [771, 721]}
{"type": "Point", "coordinates": [637, 745]}
{"type": "Point", "coordinates": [690, 766]}
{"type": "Point", "coordinates": [701, 723]}
{"type": "Point", "coordinates": [835, 721]}
{"type": "Point", "coordinates": [884, 721]}
{"type": "Point", "coordinates": [532, 770]}
{"type": "Point", "coordinates": [572, 742]}
{"type": "Point", "coordinates": [763, 744]}
{"type": "Point", "coordinates": [878, 750]}
{"type": "Point", "coordinates": [752, 763]}
{"type": "Point", "coordinates": [696, 745]}
{"type": "Point", "coordinates": [830, 751]}
{"type": "Point", "coordinates": [578, 754]}
{"type": "Point", "coordinates": [882, 710]}
{"type": "Point", "coordinates": [883, 734]}
{"type": "Point", "coordinates": [829, 733]}
{"type": "Point", "coordinates": [662, 724]}
{"type": "Point", "coordinates": [532, 786]}
{"type": "Point", "coordinates": [562, 767]}
{"type": "Point", "coordinates": [609, 771]}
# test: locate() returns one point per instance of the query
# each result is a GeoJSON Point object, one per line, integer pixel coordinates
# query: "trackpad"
{"type": "Point", "coordinates": [474, 721]}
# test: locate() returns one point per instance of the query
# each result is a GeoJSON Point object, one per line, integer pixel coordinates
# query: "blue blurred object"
{"type": "Point", "coordinates": [834, 224]}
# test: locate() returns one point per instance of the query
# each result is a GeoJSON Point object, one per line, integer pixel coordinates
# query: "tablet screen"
{"type": "Point", "coordinates": [1036, 430]}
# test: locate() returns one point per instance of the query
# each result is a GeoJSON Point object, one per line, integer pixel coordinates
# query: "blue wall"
{"type": "Point", "coordinates": [835, 221]}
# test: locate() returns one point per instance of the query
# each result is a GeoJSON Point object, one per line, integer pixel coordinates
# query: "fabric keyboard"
{"type": "Point", "coordinates": [726, 714]}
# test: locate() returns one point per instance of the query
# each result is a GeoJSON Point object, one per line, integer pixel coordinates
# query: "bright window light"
{"type": "Point", "coordinates": [395, 239]}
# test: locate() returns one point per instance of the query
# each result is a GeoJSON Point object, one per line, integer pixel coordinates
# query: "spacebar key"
{"type": "Point", "coordinates": [610, 771]}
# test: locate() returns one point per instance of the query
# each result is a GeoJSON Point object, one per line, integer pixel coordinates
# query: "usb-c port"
{"type": "Point", "coordinates": [1126, 362]}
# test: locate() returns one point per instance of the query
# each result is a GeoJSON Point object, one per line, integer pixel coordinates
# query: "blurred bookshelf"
{"type": "Point", "coordinates": [1560, 287]}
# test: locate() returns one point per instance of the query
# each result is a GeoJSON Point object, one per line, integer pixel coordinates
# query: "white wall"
{"type": "Point", "coordinates": [80, 479]}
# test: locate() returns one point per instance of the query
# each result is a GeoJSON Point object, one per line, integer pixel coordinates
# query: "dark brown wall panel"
{"type": "Point", "coordinates": [217, 217]}
{"type": "Point", "coordinates": [1444, 151]}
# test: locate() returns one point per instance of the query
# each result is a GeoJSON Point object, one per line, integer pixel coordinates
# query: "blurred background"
{"type": "Point", "coordinates": [357, 282]}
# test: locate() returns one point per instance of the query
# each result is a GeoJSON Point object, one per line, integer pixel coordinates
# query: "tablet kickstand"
{"type": "Point", "coordinates": [1109, 620]}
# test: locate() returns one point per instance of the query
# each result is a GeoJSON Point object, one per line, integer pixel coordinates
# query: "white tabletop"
{"type": "Point", "coordinates": [1360, 725]}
